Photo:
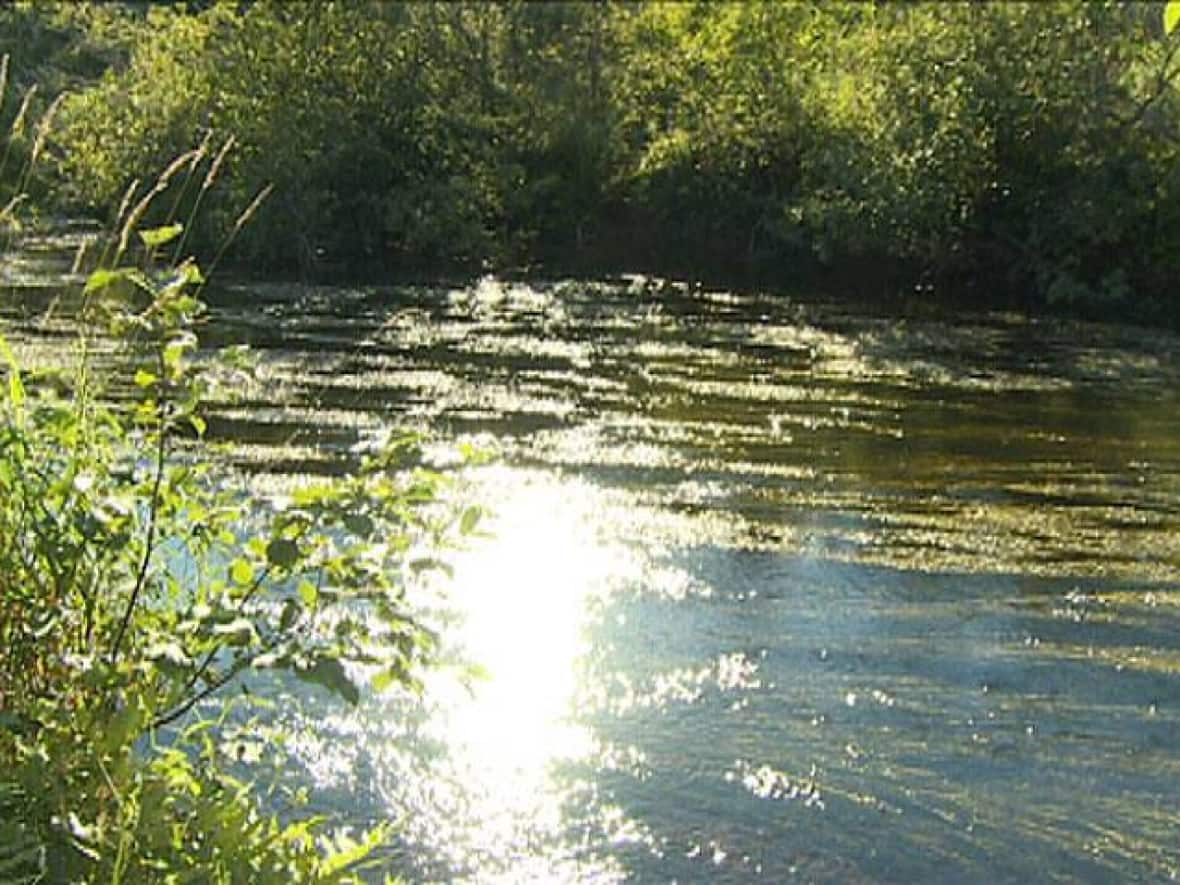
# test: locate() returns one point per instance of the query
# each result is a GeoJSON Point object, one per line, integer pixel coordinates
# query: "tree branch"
{"type": "Point", "coordinates": [207, 661]}
{"type": "Point", "coordinates": [1163, 81]}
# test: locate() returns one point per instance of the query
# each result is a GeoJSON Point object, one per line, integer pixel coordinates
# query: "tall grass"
{"type": "Point", "coordinates": [19, 152]}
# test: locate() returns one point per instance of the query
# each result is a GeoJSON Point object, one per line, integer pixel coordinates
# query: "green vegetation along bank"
{"type": "Point", "coordinates": [1007, 153]}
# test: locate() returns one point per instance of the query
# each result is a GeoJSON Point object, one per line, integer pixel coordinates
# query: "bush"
{"type": "Point", "coordinates": [134, 587]}
{"type": "Point", "coordinates": [1028, 149]}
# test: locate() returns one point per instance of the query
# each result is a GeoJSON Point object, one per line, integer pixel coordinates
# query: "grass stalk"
{"type": "Point", "coordinates": [199, 154]}
{"type": "Point", "coordinates": [3, 79]}
{"type": "Point", "coordinates": [206, 184]}
{"type": "Point", "coordinates": [17, 129]}
{"type": "Point", "coordinates": [245, 217]}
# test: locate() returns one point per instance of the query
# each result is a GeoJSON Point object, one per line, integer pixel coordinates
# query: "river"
{"type": "Point", "coordinates": [774, 587]}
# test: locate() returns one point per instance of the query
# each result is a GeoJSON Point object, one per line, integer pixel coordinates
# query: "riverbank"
{"type": "Point", "coordinates": [1013, 155]}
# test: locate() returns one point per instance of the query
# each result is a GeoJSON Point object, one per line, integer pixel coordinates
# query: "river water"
{"type": "Point", "coordinates": [774, 588]}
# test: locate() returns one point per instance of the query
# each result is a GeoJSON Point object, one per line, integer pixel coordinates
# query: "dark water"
{"type": "Point", "coordinates": [776, 588]}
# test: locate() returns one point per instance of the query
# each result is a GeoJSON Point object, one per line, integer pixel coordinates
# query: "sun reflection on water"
{"type": "Point", "coordinates": [522, 596]}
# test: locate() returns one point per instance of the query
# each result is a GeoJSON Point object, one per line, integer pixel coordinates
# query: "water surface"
{"type": "Point", "coordinates": [775, 588]}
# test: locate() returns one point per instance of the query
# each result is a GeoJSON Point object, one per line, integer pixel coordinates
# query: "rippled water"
{"type": "Point", "coordinates": [775, 588]}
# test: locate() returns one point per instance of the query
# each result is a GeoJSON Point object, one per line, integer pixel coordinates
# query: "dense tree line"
{"type": "Point", "coordinates": [1008, 152]}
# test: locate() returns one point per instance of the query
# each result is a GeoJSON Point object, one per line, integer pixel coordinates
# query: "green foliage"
{"type": "Point", "coordinates": [332, 103]}
{"type": "Point", "coordinates": [135, 590]}
{"type": "Point", "coordinates": [1028, 148]}
{"type": "Point", "coordinates": [46, 50]}
{"type": "Point", "coordinates": [714, 131]}
{"type": "Point", "coordinates": [1171, 16]}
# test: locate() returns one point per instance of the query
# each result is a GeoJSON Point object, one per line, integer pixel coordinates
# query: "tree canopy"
{"type": "Point", "coordinates": [1010, 152]}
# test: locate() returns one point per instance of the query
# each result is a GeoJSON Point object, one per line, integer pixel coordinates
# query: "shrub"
{"type": "Point", "coordinates": [134, 588]}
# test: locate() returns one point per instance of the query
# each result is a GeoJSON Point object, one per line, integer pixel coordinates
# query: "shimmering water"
{"type": "Point", "coordinates": [775, 589]}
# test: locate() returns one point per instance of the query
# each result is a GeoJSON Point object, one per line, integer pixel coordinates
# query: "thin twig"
{"type": "Point", "coordinates": [3, 78]}
{"type": "Point", "coordinates": [203, 667]}
{"type": "Point", "coordinates": [210, 687]}
{"type": "Point", "coordinates": [153, 513]}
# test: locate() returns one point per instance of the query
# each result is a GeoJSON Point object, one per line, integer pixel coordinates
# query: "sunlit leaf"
{"type": "Point", "coordinates": [308, 593]}
{"type": "Point", "coordinates": [188, 274]}
{"type": "Point", "coordinates": [175, 349]}
{"type": "Point", "coordinates": [383, 680]}
{"type": "Point", "coordinates": [101, 279]}
{"type": "Point", "coordinates": [237, 356]}
{"type": "Point", "coordinates": [478, 672]}
{"type": "Point", "coordinates": [470, 519]}
{"type": "Point", "coordinates": [1171, 16]}
{"type": "Point", "coordinates": [241, 572]}
{"type": "Point", "coordinates": [16, 389]}
{"type": "Point", "coordinates": [160, 235]}
{"type": "Point", "coordinates": [144, 378]}
{"type": "Point", "coordinates": [345, 852]}
{"type": "Point", "coordinates": [105, 278]}
{"type": "Point", "coordinates": [474, 455]}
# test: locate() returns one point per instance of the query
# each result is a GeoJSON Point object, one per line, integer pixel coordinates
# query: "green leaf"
{"type": "Point", "coordinates": [237, 356]}
{"type": "Point", "coordinates": [329, 673]}
{"type": "Point", "coordinates": [118, 282]}
{"type": "Point", "coordinates": [314, 495]}
{"type": "Point", "coordinates": [359, 524]}
{"type": "Point", "coordinates": [345, 852]}
{"type": "Point", "coordinates": [198, 424]}
{"type": "Point", "coordinates": [190, 273]}
{"type": "Point", "coordinates": [175, 349]}
{"type": "Point", "coordinates": [473, 455]}
{"type": "Point", "coordinates": [383, 680]}
{"type": "Point", "coordinates": [470, 519]}
{"type": "Point", "coordinates": [1171, 16]}
{"type": "Point", "coordinates": [16, 389]}
{"type": "Point", "coordinates": [241, 572]}
{"type": "Point", "coordinates": [144, 378]}
{"type": "Point", "coordinates": [290, 615]}
{"type": "Point", "coordinates": [282, 552]}
{"type": "Point", "coordinates": [101, 279]}
{"type": "Point", "coordinates": [160, 235]}
{"type": "Point", "coordinates": [308, 593]}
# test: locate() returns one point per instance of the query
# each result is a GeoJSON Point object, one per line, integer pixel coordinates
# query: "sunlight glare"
{"type": "Point", "coordinates": [522, 594]}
